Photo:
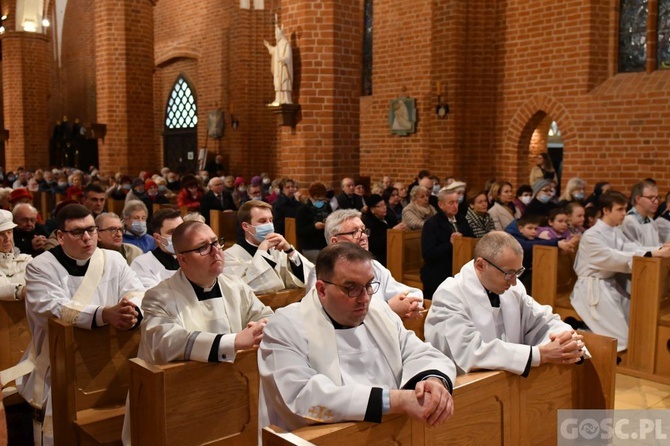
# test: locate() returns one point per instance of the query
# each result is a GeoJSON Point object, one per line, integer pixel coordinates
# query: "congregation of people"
{"type": "Point", "coordinates": [343, 347]}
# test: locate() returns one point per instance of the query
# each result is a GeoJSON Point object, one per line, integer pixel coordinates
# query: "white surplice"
{"type": "Point", "coordinates": [259, 274]}
{"type": "Point", "coordinates": [462, 324]}
{"type": "Point", "coordinates": [12, 273]}
{"type": "Point", "coordinates": [311, 372]}
{"type": "Point", "coordinates": [644, 234]}
{"type": "Point", "coordinates": [150, 270]}
{"type": "Point", "coordinates": [603, 265]}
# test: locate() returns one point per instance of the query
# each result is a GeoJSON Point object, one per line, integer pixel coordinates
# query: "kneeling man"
{"type": "Point", "coordinates": [340, 355]}
{"type": "Point", "coordinates": [483, 318]}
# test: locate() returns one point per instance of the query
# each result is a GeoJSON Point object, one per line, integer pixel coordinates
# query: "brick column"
{"type": "Point", "coordinates": [326, 37]}
{"type": "Point", "coordinates": [25, 89]}
{"type": "Point", "coordinates": [124, 59]}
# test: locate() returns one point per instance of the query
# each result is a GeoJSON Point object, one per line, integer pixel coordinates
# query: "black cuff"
{"type": "Point", "coordinates": [647, 254]}
{"type": "Point", "coordinates": [214, 351]}
{"type": "Point", "coordinates": [271, 262]}
{"type": "Point", "coordinates": [581, 361]}
{"type": "Point", "coordinates": [526, 371]}
{"type": "Point", "coordinates": [373, 412]}
{"type": "Point", "coordinates": [94, 324]}
{"type": "Point", "coordinates": [411, 384]}
{"type": "Point", "coordinates": [139, 317]}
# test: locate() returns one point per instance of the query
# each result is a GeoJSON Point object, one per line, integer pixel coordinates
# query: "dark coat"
{"type": "Point", "coordinates": [345, 201]}
{"type": "Point", "coordinates": [210, 202]}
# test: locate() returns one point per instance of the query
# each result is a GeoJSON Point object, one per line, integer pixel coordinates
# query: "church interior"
{"type": "Point", "coordinates": [485, 87]}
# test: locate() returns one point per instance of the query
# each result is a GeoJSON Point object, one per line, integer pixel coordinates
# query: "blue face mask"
{"type": "Point", "coordinates": [162, 188]}
{"type": "Point", "coordinates": [460, 199]}
{"type": "Point", "coordinates": [167, 244]}
{"type": "Point", "coordinates": [544, 198]}
{"type": "Point", "coordinates": [319, 204]}
{"type": "Point", "coordinates": [126, 186]}
{"type": "Point", "coordinates": [262, 231]}
{"type": "Point", "coordinates": [139, 227]}
{"type": "Point", "coordinates": [578, 195]}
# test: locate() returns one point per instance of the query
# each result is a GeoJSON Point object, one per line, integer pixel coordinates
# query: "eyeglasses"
{"type": "Point", "coordinates": [207, 248]}
{"type": "Point", "coordinates": [79, 232]}
{"type": "Point", "coordinates": [653, 199]}
{"type": "Point", "coordinates": [356, 290]}
{"type": "Point", "coordinates": [112, 230]}
{"type": "Point", "coordinates": [509, 275]}
{"type": "Point", "coordinates": [357, 234]}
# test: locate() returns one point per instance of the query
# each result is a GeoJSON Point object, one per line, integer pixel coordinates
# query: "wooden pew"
{"type": "Point", "coordinates": [649, 325]}
{"type": "Point", "coordinates": [89, 382]}
{"type": "Point", "coordinates": [491, 407]}
{"type": "Point", "coordinates": [553, 279]}
{"type": "Point", "coordinates": [464, 248]}
{"type": "Point", "coordinates": [44, 203]}
{"type": "Point", "coordinates": [158, 206]}
{"type": "Point", "coordinates": [224, 224]}
{"type": "Point", "coordinates": [194, 403]}
{"type": "Point", "coordinates": [3, 425]}
{"type": "Point", "coordinates": [291, 232]}
{"type": "Point", "coordinates": [14, 337]}
{"type": "Point", "coordinates": [116, 206]}
{"type": "Point", "coordinates": [403, 256]}
{"type": "Point", "coordinates": [282, 298]}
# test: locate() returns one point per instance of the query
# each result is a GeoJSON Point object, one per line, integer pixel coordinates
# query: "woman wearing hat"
{"type": "Point", "coordinates": [541, 204]}
{"type": "Point", "coordinates": [12, 262]}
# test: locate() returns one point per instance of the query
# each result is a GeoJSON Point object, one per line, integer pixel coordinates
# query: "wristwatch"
{"type": "Point", "coordinates": [290, 250]}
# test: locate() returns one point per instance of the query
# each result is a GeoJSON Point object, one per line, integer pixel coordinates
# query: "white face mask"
{"type": "Point", "coordinates": [526, 199]}
{"type": "Point", "coordinates": [167, 244]}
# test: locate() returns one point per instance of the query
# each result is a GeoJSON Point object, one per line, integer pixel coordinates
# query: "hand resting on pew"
{"type": "Point", "coordinates": [121, 316]}
{"type": "Point", "coordinates": [430, 402]}
{"type": "Point", "coordinates": [251, 336]}
{"type": "Point", "coordinates": [564, 348]}
{"type": "Point", "coordinates": [407, 307]}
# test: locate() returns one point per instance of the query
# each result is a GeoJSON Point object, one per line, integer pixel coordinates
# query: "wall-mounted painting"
{"type": "Point", "coordinates": [402, 116]}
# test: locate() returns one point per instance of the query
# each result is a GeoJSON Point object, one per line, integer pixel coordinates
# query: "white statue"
{"type": "Point", "coordinates": [282, 67]}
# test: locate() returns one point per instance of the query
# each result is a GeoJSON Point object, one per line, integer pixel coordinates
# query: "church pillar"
{"type": "Point", "coordinates": [25, 89]}
{"type": "Point", "coordinates": [326, 37]}
{"type": "Point", "coordinates": [124, 58]}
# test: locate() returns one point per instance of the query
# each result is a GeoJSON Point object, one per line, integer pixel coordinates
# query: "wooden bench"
{"type": "Point", "coordinates": [553, 279]}
{"type": "Point", "coordinates": [403, 256]}
{"type": "Point", "coordinates": [89, 382]}
{"type": "Point", "coordinates": [464, 248]}
{"type": "Point", "coordinates": [14, 339]}
{"type": "Point", "coordinates": [490, 408]}
{"type": "Point", "coordinates": [194, 403]}
{"type": "Point", "coordinates": [282, 298]}
{"type": "Point", "coordinates": [116, 206]}
{"type": "Point", "coordinates": [224, 224]}
{"type": "Point", "coordinates": [44, 202]}
{"type": "Point", "coordinates": [158, 206]}
{"type": "Point", "coordinates": [291, 232]}
{"type": "Point", "coordinates": [648, 354]}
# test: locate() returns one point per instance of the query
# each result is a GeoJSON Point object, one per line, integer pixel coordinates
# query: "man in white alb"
{"type": "Point", "coordinates": [341, 355]}
{"type": "Point", "coordinates": [639, 225]}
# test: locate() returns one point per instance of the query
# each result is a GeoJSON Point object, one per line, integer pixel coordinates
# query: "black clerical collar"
{"type": "Point", "coordinates": [205, 294]}
{"type": "Point", "coordinates": [248, 247]}
{"type": "Point", "coordinates": [166, 259]}
{"type": "Point", "coordinates": [69, 263]}
{"type": "Point", "coordinates": [493, 298]}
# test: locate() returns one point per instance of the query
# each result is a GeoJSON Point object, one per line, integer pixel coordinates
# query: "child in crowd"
{"type": "Point", "coordinates": [558, 226]}
{"type": "Point", "coordinates": [576, 213]}
{"type": "Point", "coordinates": [524, 230]}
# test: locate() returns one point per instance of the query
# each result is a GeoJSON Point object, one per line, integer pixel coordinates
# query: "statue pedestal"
{"type": "Point", "coordinates": [287, 114]}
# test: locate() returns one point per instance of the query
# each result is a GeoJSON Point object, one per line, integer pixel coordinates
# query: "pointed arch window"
{"type": "Point", "coordinates": [181, 110]}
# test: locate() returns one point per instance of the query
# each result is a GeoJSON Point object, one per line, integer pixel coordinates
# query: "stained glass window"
{"type": "Point", "coordinates": [633, 36]}
{"type": "Point", "coordinates": [367, 49]}
{"type": "Point", "coordinates": [181, 108]}
{"type": "Point", "coordinates": [663, 56]}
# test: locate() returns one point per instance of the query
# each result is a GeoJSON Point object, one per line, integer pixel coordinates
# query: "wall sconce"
{"type": "Point", "coordinates": [46, 23]}
{"type": "Point", "coordinates": [29, 26]}
{"type": "Point", "coordinates": [234, 122]}
{"type": "Point", "coordinates": [2, 27]}
{"type": "Point", "coordinates": [442, 110]}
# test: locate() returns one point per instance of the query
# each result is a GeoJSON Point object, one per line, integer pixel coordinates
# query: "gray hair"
{"type": "Point", "coordinates": [638, 190]}
{"type": "Point", "coordinates": [416, 190]}
{"type": "Point", "coordinates": [571, 186]}
{"type": "Point", "coordinates": [444, 192]}
{"type": "Point", "coordinates": [105, 215]}
{"type": "Point", "coordinates": [336, 219]}
{"type": "Point", "coordinates": [19, 206]}
{"type": "Point", "coordinates": [132, 206]}
{"type": "Point", "coordinates": [492, 245]}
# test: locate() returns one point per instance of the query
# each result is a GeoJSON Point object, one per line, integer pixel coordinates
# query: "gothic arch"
{"type": "Point", "coordinates": [520, 130]}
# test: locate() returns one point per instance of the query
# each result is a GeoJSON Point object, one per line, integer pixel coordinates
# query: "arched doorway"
{"type": "Point", "coordinates": [180, 133]}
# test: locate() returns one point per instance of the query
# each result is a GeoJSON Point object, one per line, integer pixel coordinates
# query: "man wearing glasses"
{"type": "Point", "coordinates": [639, 225]}
{"type": "Point", "coordinates": [483, 319]}
{"type": "Point", "coordinates": [340, 354]}
{"type": "Point", "coordinates": [110, 236]}
{"type": "Point", "coordinates": [345, 225]}
{"type": "Point", "coordinates": [80, 284]}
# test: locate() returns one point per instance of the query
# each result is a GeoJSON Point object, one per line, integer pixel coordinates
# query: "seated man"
{"type": "Point", "coordinates": [264, 259]}
{"type": "Point", "coordinates": [483, 319]}
{"type": "Point", "coordinates": [217, 198]}
{"type": "Point", "coordinates": [340, 354]}
{"type": "Point", "coordinates": [603, 265]}
{"type": "Point", "coordinates": [437, 240]}
{"type": "Point", "coordinates": [94, 199]}
{"type": "Point", "coordinates": [638, 225]}
{"type": "Point", "coordinates": [80, 284]}
{"type": "Point", "coordinates": [160, 263]}
{"type": "Point", "coordinates": [12, 262]}
{"type": "Point", "coordinates": [347, 199]}
{"type": "Point", "coordinates": [135, 216]}
{"type": "Point", "coordinates": [345, 225]}
{"type": "Point", "coordinates": [110, 236]}
{"type": "Point", "coordinates": [29, 235]}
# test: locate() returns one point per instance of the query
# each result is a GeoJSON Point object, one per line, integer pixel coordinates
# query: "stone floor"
{"type": "Point", "coordinates": [638, 393]}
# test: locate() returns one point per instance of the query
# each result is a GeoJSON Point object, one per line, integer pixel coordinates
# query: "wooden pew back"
{"type": "Point", "coordinates": [464, 248]}
{"type": "Point", "coordinates": [282, 298]}
{"type": "Point", "coordinates": [14, 332]}
{"type": "Point", "coordinates": [553, 279]}
{"type": "Point", "coordinates": [649, 326]}
{"type": "Point", "coordinates": [89, 381]}
{"type": "Point", "coordinates": [291, 232]}
{"type": "Point", "coordinates": [492, 407]}
{"type": "Point", "coordinates": [194, 403]}
{"type": "Point", "coordinates": [224, 224]}
{"type": "Point", "coordinates": [416, 325]}
{"type": "Point", "coordinates": [115, 206]}
{"type": "Point", "coordinates": [403, 256]}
